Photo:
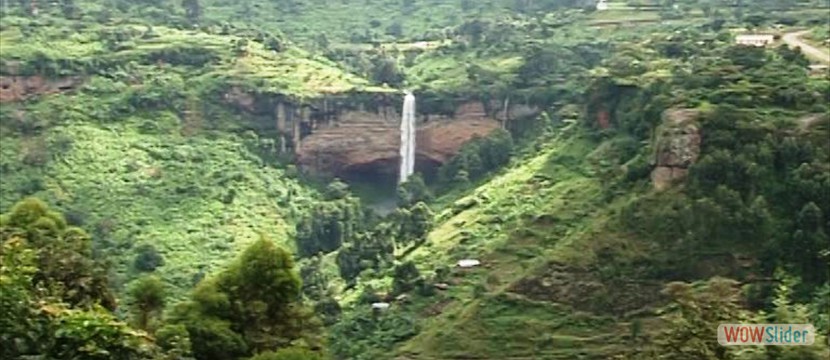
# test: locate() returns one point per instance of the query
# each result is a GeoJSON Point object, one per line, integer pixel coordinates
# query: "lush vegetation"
{"type": "Point", "coordinates": [655, 181]}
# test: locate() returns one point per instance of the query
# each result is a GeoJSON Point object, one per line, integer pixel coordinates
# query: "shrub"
{"type": "Point", "coordinates": [291, 353]}
{"type": "Point", "coordinates": [147, 258]}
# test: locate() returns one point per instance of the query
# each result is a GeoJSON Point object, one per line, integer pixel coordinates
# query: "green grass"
{"type": "Point", "coordinates": [132, 186]}
{"type": "Point", "coordinates": [542, 209]}
{"type": "Point", "coordinates": [292, 72]}
{"type": "Point", "coordinates": [437, 72]}
{"type": "Point", "coordinates": [509, 326]}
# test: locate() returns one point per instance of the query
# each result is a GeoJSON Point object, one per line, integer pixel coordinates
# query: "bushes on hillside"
{"type": "Point", "coordinates": [147, 258]}
{"type": "Point", "coordinates": [368, 251]}
{"type": "Point", "coordinates": [370, 335]}
{"type": "Point", "coordinates": [330, 223]}
{"type": "Point", "coordinates": [478, 157]}
{"type": "Point", "coordinates": [414, 190]}
{"type": "Point", "coordinates": [753, 187]}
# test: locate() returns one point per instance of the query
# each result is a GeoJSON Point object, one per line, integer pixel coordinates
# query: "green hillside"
{"type": "Point", "coordinates": [654, 180]}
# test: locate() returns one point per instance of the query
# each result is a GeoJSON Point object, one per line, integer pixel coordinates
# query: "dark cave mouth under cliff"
{"type": "Point", "coordinates": [376, 182]}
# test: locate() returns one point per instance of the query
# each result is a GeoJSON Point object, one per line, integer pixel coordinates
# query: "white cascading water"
{"type": "Point", "coordinates": [407, 137]}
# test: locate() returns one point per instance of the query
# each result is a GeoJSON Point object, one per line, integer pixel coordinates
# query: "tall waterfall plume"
{"type": "Point", "coordinates": [407, 137]}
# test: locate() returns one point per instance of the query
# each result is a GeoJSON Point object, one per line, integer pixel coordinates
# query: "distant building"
{"type": "Point", "coordinates": [754, 39]}
{"type": "Point", "coordinates": [602, 5]}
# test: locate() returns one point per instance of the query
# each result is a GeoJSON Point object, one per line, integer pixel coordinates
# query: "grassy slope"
{"type": "Point", "coordinates": [131, 187]}
{"type": "Point", "coordinates": [546, 208]}
{"type": "Point", "coordinates": [495, 323]}
{"type": "Point", "coordinates": [163, 177]}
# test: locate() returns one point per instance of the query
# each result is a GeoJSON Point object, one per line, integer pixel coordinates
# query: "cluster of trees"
{"type": "Point", "coordinates": [759, 185]}
{"type": "Point", "coordinates": [331, 223]}
{"type": "Point", "coordinates": [375, 249]}
{"type": "Point", "coordinates": [477, 158]}
{"type": "Point", "coordinates": [755, 187]}
{"type": "Point", "coordinates": [697, 309]}
{"type": "Point", "coordinates": [340, 224]}
{"type": "Point", "coordinates": [54, 297]}
{"type": "Point", "coordinates": [251, 307]}
{"type": "Point", "coordinates": [55, 302]}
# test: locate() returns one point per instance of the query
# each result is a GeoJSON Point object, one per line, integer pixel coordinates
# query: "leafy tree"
{"type": "Point", "coordinates": [192, 9]}
{"type": "Point", "coordinates": [366, 251]}
{"type": "Point", "coordinates": [413, 190]}
{"type": "Point", "coordinates": [749, 57]}
{"type": "Point", "coordinates": [147, 297]}
{"type": "Point", "coordinates": [477, 158]}
{"type": "Point", "coordinates": [251, 306]}
{"type": "Point", "coordinates": [322, 41]}
{"type": "Point", "coordinates": [370, 336]}
{"type": "Point", "coordinates": [174, 341]}
{"type": "Point", "coordinates": [21, 330]}
{"type": "Point", "coordinates": [337, 190]}
{"type": "Point", "coordinates": [385, 70]}
{"type": "Point", "coordinates": [415, 222]}
{"type": "Point", "coordinates": [65, 266]}
{"type": "Point", "coordinates": [37, 324]}
{"type": "Point", "coordinates": [240, 47]}
{"type": "Point", "coordinates": [328, 309]}
{"type": "Point", "coordinates": [69, 8]}
{"type": "Point", "coordinates": [496, 149]}
{"type": "Point", "coordinates": [395, 29]}
{"type": "Point", "coordinates": [818, 309]}
{"type": "Point", "coordinates": [810, 246]}
{"type": "Point", "coordinates": [786, 312]}
{"type": "Point", "coordinates": [329, 225]}
{"type": "Point", "coordinates": [94, 335]}
{"type": "Point", "coordinates": [147, 258]}
{"type": "Point", "coordinates": [275, 44]}
{"type": "Point", "coordinates": [405, 277]}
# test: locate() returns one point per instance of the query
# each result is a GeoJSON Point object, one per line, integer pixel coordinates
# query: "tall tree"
{"type": "Point", "coordinates": [251, 306]}
{"type": "Point", "coordinates": [65, 265]}
{"type": "Point", "coordinates": [147, 297]}
{"type": "Point", "coordinates": [50, 293]}
{"type": "Point", "coordinates": [192, 9]}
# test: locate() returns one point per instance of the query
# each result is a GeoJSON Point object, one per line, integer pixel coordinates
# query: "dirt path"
{"type": "Point", "coordinates": [793, 39]}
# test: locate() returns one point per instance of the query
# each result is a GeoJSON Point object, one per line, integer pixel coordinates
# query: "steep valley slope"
{"type": "Point", "coordinates": [608, 177]}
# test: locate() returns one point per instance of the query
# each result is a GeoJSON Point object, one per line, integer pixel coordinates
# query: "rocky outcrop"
{"type": "Point", "coordinates": [362, 139]}
{"type": "Point", "coordinates": [18, 88]}
{"type": "Point", "coordinates": [677, 147]}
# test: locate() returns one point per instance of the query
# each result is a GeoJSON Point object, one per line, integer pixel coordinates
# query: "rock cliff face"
{"type": "Point", "coordinates": [18, 88]}
{"type": "Point", "coordinates": [367, 139]}
{"type": "Point", "coordinates": [677, 147]}
{"type": "Point", "coordinates": [341, 134]}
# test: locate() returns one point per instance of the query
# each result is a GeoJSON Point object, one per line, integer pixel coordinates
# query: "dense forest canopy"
{"type": "Point", "coordinates": [594, 179]}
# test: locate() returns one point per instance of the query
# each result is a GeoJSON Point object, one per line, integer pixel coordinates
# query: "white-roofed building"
{"type": "Point", "coordinates": [754, 39]}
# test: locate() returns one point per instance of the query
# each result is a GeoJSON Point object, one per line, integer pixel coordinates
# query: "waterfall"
{"type": "Point", "coordinates": [407, 137]}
